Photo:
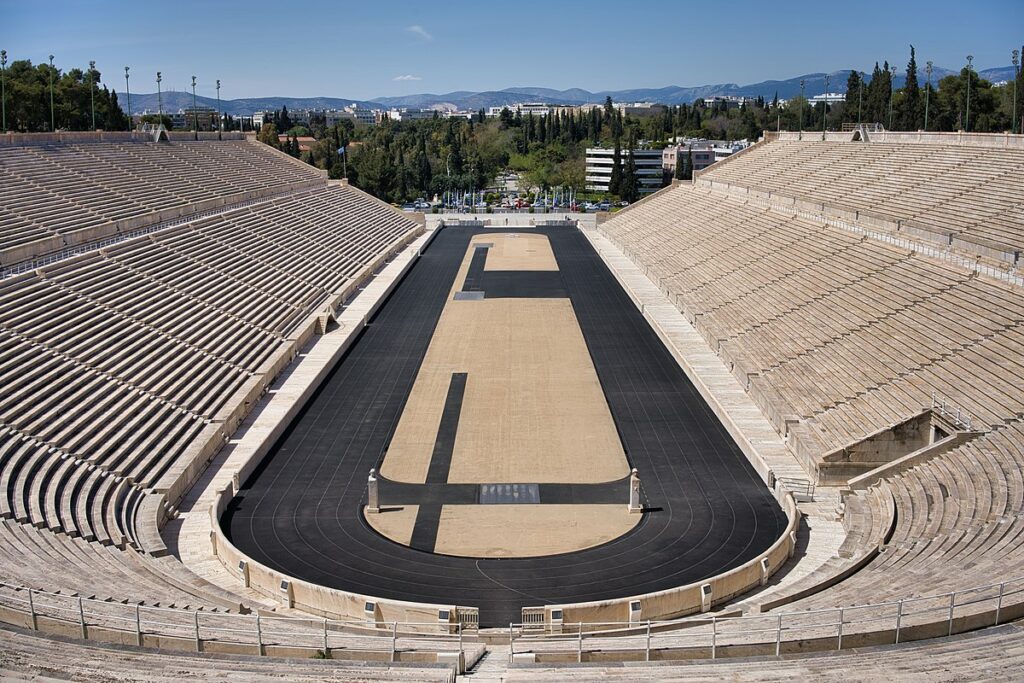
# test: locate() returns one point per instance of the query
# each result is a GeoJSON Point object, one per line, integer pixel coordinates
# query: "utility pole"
{"type": "Point", "coordinates": [53, 126]}
{"type": "Point", "coordinates": [927, 93]}
{"type": "Point", "coordinates": [967, 117]}
{"type": "Point", "coordinates": [128, 92]}
{"type": "Point", "coordinates": [92, 91]}
{"type": "Point", "coordinates": [1016, 77]}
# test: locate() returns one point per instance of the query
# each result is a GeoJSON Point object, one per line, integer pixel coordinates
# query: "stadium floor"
{"type": "Point", "coordinates": [707, 510]}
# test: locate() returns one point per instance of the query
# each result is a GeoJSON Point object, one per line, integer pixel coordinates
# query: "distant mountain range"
{"type": "Point", "coordinates": [464, 99]}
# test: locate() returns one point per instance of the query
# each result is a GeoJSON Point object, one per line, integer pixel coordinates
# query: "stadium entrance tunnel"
{"type": "Point", "coordinates": [504, 428]}
{"type": "Point", "coordinates": [927, 434]}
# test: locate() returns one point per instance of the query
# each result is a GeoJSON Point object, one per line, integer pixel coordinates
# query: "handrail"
{"type": "Point", "coordinates": [892, 621]}
{"type": "Point", "coordinates": [888, 622]}
{"type": "Point", "coordinates": [198, 629]}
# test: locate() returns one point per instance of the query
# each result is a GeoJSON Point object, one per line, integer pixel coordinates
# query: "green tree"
{"type": "Point", "coordinates": [628, 186]}
{"type": "Point", "coordinates": [876, 95]}
{"type": "Point", "coordinates": [615, 181]}
{"type": "Point", "coordinates": [911, 107]}
{"type": "Point", "coordinates": [268, 135]}
{"type": "Point", "coordinates": [854, 95]}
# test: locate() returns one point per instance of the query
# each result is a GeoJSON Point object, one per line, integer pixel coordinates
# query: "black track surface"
{"type": "Point", "coordinates": [707, 509]}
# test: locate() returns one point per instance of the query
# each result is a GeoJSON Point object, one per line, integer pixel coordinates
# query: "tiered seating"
{"type": "Point", "coordinates": [119, 365]}
{"type": "Point", "coordinates": [960, 518]}
{"type": "Point", "coordinates": [836, 339]}
{"type": "Point", "coordinates": [961, 190]}
{"type": "Point", "coordinates": [835, 335]}
{"type": "Point", "coordinates": [54, 195]}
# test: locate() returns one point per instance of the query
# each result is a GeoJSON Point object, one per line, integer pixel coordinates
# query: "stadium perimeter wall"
{"type": "Point", "coordinates": [695, 597]}
{"type": "Point", "coordinates": [76, 137]}
{"type": "Point", "coordinates": [999, 140]}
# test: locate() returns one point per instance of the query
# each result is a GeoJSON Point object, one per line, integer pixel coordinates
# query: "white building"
{"type": "Point", "coordinates": [407, 114]}
{"type": "Point", "coordinates": [730, 101]}
{"type": "Point", "coordinates": [702, 153]}
{"type": "Point", "coordinates": [599, 168]}
{"type": "Point", "coordinates": [524, 108]}
{"type": "Point", "coordinates": [639, 108]}
{"type": "Point", "coordinates": [830, 97]}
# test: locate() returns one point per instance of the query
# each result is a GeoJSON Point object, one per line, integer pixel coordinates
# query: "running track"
{"type": "Point", "coordinates": [708, 510]}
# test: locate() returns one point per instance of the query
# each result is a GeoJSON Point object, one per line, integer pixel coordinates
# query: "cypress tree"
{"type": "Point", "coordinates": [680, 166]}
{"type": "Point", "coordinates": [424, 176]}
{"type": "Point", "coordinates": [911, 106]}
{"type": "Point", "coordinates": [616, 178]}
{"type": "Point", "coordinates": [876, 96]}
{"type": "Point", "coordinates": [628, 186]}
{"type": "Point", "coordinates": [853, 93]}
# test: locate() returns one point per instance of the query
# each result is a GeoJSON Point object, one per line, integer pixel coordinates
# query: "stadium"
{"type": "Point", "coordinates": [765, 423]}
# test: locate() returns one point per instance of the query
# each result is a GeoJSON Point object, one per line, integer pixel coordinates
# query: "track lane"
{"type": "Point", "coordinates": [300, 512]}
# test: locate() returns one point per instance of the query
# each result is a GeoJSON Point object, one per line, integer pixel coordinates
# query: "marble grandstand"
{"type": "Point", "coordinates": [863, 296]}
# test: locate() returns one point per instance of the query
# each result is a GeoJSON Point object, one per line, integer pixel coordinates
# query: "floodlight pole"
{"type": "Point", "coordinates": [128, 92]}
{"type": "Point", "coordinates": [1016, 77]}
{"type": "Point", "coordinates": [967, 116]}
{"type": "Point", "coordinates": [860, 98]}
{"type": "Point", "coordinates": [3, 86]}
{"type": "Point", "coordinates": [92, 91]}
{"type": "Point", "coordinates": [801, 125]}
{"type": "Point", "coordinates": [159, 100]}
{"type": "Point", "coordinates": [824, 113]}
{"type": "Point", "coordinates": [220, 117]}
{"type": "Point", "coordinates": [195, 112]}
{"type": "Point", "coordinates": [927, 93]}
{"type": "Point", "coordinates": [892, 91]}
{"type": "Point", "coordinates": [53, 126]}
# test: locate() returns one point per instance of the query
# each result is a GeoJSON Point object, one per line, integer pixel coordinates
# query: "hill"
{"type": "Point", "coordinates": [814, 84]}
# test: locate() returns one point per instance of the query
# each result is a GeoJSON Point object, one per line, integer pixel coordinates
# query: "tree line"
{"type": "Point", "coordinates": [875, 100]}
{"type": "Point", "coordinates": [74, 91]}
{"type": "Point", "coordinates": [401, 160]}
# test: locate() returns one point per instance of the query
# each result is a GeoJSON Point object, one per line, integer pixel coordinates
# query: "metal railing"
{"type": "Point", "coordinates": [707, 636]}
{"type": "Point", "coordinates": [960, 417]}
{"type": "Point", "coordinates": [799, 487]}
{"type": "Point", "coordinates": [196, 630]}
{"type": "Point", "coordinates": [771, 634]}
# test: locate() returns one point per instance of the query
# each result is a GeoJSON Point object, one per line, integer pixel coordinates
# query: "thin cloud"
{"type": "Point", "coordinates": [407, 77]}
{"type": "Point", "coordinates": [420, 31]}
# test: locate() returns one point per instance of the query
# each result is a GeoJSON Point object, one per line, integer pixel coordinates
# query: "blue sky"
{"type": "Point", "coordinates": [370, 49]}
